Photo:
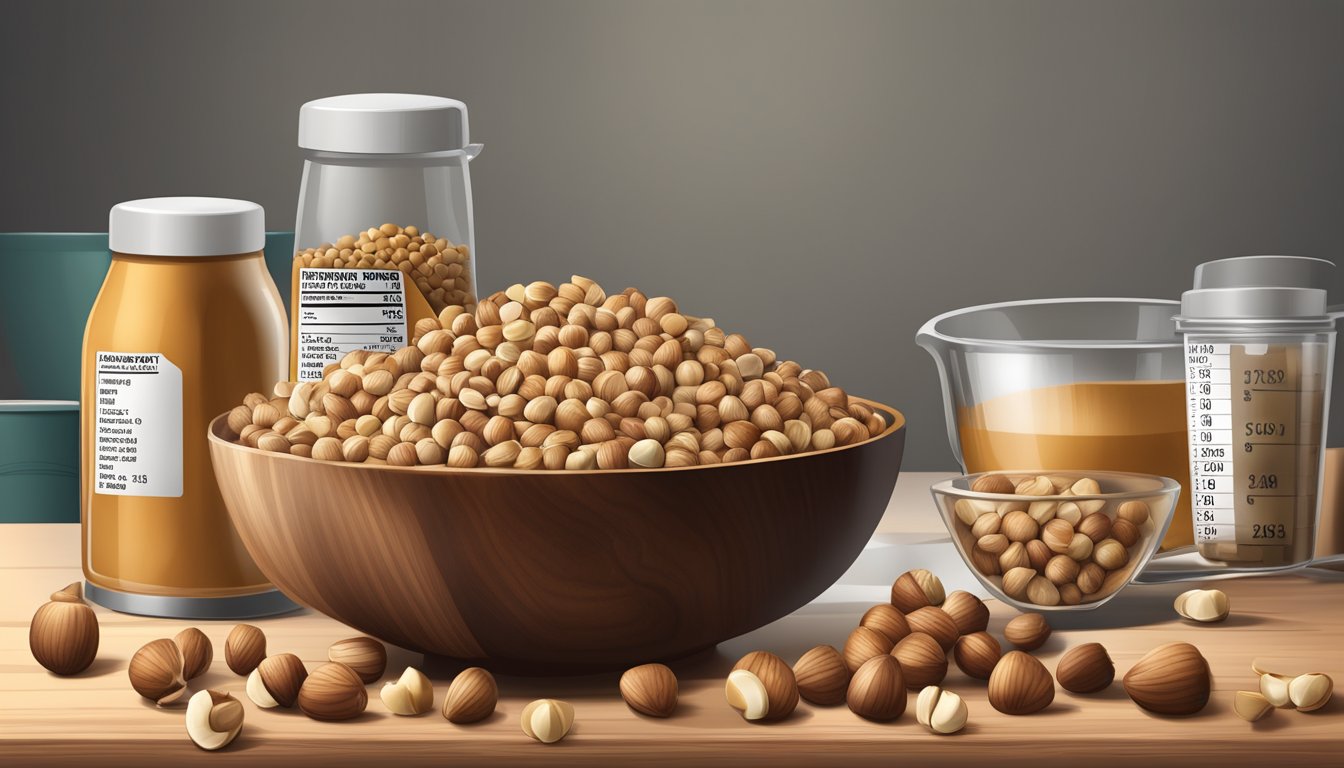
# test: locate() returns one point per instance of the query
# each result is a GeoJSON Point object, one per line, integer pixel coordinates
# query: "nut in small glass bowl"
{"type": "Point", "coordinates": [1056, 540]}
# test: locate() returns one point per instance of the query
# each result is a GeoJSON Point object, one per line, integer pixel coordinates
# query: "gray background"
{"type": "Point", "coordinates": [821, 176]}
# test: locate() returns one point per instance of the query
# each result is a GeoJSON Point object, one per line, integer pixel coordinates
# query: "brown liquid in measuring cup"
{"type": "Point", "coordinates": [1124, 426]}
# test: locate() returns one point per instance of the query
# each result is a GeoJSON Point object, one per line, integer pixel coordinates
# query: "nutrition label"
{"type": "Point", "coordinates": [341, 310]}
{"type": "Point", "coordinates": [1245, 430]}
{"type": "Point", "coordinates": [138, 425]}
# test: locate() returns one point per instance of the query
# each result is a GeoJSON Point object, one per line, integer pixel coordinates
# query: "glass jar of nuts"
{"type": "Point", "coordinates": [384, 233]}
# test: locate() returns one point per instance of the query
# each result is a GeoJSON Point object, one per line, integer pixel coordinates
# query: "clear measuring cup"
{"type": "Point", "coordinates": [1259, 347]}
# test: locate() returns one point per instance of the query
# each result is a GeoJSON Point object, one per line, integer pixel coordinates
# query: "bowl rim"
{"type": "Point", "coordinates": [896, 419]}
{"type": "Point", "coordinates": [947, 486]}
{"type": "Point", "coordinates": [931, 329]}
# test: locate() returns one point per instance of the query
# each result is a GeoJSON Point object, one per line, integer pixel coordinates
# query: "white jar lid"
{"type": "Point", "coordinates": [186, 226]}
{"type": "Point", "coordinates": [383, 124]}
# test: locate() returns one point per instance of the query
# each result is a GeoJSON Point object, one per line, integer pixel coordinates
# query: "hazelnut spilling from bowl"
{"type": "Point", "coordinates": [546, 377]}
{"type": "Point", "coordinates": [1058, 540]}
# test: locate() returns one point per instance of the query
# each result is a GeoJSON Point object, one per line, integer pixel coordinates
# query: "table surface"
{"type": "Point", "coordinates": [1293, 622]}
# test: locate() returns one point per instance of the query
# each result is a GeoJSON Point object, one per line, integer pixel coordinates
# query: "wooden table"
{"type": "Point", "coordinates": [96, 717]}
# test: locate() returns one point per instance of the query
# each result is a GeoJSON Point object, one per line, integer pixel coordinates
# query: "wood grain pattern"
{"type": "Point", "coordinates": [95, 718]}
{"type": "Point", "coordinates": [553, 571]}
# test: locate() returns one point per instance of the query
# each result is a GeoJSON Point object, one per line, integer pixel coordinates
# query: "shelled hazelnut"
{"type": "Point", "coordinates": [440, 269]}
{"type": "Point", "coordinates": [546, 378]}
{"type": "Point", "coordinates": [1051, 552]}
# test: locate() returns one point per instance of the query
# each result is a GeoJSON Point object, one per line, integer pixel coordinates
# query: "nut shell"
{"type": "Point", "coordinates": [471, 696]}
{"type": "Point", "coordinates": [63, 635]}
{"type": "Point", "coordinates": [977, 654]}
{"type": "Point", "coordinates": [915, 589]}
{"type": "Point", "coordinates": [244, 649]}
{"type": "Point", "coordinates": [922, 660]}
{"type": "Point", "coordinates": [780, 685]}
{"type": "Point", "coordinates": [822, 676]}
{"type": "Point", "coordinates": [863, 644]}
{"type": "Point", "coordinates": [332, 692]}
{"type": "Point", "coordinates": [937, 624]}
{"type": "Point", "coordinates": [282, 675]}
{"type": "Point", "coordinates": [877, 690]}
{"type": "Point", "coordinates": [884, 618]}
{"type": "Point", "coordinates": [968, 612]}
{"type": "Point", "coordinates": [1171, 679]}
{"type": "Point", "coordinates": [650, 689]}
{"type": "Point", "coordinates": [1020, 685]}
{"type": "Point", "coordinates": [1028, 631]}
{"type": "Point", "coordinates": [197, 652]}
{"type": "Point", "coordinates": [366, 656]}
{"type": "Point", "coordinates": [156, 672]}
{"type": "Point", "coordinates": [1085, 668]}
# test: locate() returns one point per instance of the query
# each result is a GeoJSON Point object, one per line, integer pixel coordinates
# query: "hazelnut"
{"type": "Point", "coordinates": [936, 623]}
{"type": "Point", "coordinates": [244, 649]}
{"type": "Point", "coordinates": [650, 689]}
{"type": "Point", "coordinates": [940, 711]}
{"type": "Point", "coordinates": [822, 676]}
{"type": "Point", "coordinates": [63, 635]}
{"type": "Point", "coordinates": [1251, 706]}
{"type": "Point", "coordinates": [968, 612]}
{"type": "Point", "coordinates": [412, 694]}
{"type": "Point", "coordinates": [197, 652]}
{"type": "Point", "coordinates": [276, 681]}
{"type": "Point", "coordinates": [762, 687]}
{"type": "Point", "coordinates": [156, 672]}
{"type": "Point", "coordinates": [1203, 605]}
{"type": "Point", "coordinates": [1086, 668]}
{"type": "Point", "coordinates": [877, 690]}
{"type": "Point", "coordinates": [1028, 631]}
{"type": "Point", "coordinates": [547, 720]}
{"type": "Point", "coordinates": [333, 692]}
{"type": "Point", "coordinates": [863, 644]}
{"type": "Point", "coordinates": [884, 618]}
{"type": "Point", "coordinates": [976, 654]}
{"type": "Point", "coordinates": [214, 719]}
{"type": "Point", "coordinates": [916, 589]}
{"type": "Point", "coordinates": [992, 484]}
{"type": "Point", "coordinates": [471, 696]}
{"type": "Point", "coordinates": [1020, 685]}
{"type": "Point", "coordinates": [366, 656]}
{"type": "Point", "coordinates": [922, 659]}
{"type": "Point", "coordinates": [1172, 679]}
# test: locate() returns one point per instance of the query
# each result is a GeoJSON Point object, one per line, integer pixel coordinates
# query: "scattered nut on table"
{"type": "Point", "coordinates": [877, 690]}
{"type": "Point", "coordinates": [333, 691]}
{"type": "Point", "coordinates": [471, 696]}
{"type": "Point", "coordinates": [822, 676]}
{"type": "Point", "coordinates": [411, 694]}
{"type": "Point", "coordinates": [366, 656]}
{"type": "Point", "coordinates": [650, 689]}
{"type": "Point", "coordinates": [547, 720]}
{"type": "Point", "coordinates": [1171, 679]}
{"type": "Point", "coordinates": [1203, 605]}
{"type": "Point", "coordinates": [63, 635]}
{"type": "Point", "coordinates": [276, 681]}
{"type": "Point", "coordinates": [244, 649]}
{"type": "Point", "coordinates": [1085, 668]}
{"type": "Point", "coordinates": [214, 719]}
{"type": "Point", "coordinates": [762, 687]}
{"type": "Point", "coordinates": [156, 672]}
{"type": "Point", "coordinates": [940, 710]}
{"type": "Point", "coordinates": [1020, 685]}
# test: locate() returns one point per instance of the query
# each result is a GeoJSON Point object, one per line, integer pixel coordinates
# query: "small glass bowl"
{"type": "Point", "coordinates": [960, 507]}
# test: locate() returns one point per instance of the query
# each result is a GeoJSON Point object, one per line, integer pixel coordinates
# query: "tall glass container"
{"type": "Point", "coordinates": [386, 188]}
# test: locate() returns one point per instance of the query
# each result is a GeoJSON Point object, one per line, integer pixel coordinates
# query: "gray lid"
{"type": "Point", "coordinates": [1284, 288]}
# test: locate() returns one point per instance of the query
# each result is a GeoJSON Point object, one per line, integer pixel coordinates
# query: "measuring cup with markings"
{"type": "Point", "coordinates": [1259, 344]}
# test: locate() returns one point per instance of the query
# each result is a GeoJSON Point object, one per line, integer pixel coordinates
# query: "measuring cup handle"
{"type": "Point", "coordinates": [1335, 312]}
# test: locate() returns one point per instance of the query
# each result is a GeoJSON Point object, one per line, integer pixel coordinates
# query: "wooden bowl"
{"type": "Point", "coordinates": [558, 571]}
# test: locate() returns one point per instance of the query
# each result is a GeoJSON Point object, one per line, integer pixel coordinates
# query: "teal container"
{"type": "Point", "coordinates": [51, 280]}
{"type": "Point", "coordinates": [39, 461]}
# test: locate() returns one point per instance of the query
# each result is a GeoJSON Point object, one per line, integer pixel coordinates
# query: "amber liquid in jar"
{"type": "Point", "coordinates": [219, 321]}
{"type": "Point", "coordinates": [1121, 426]}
